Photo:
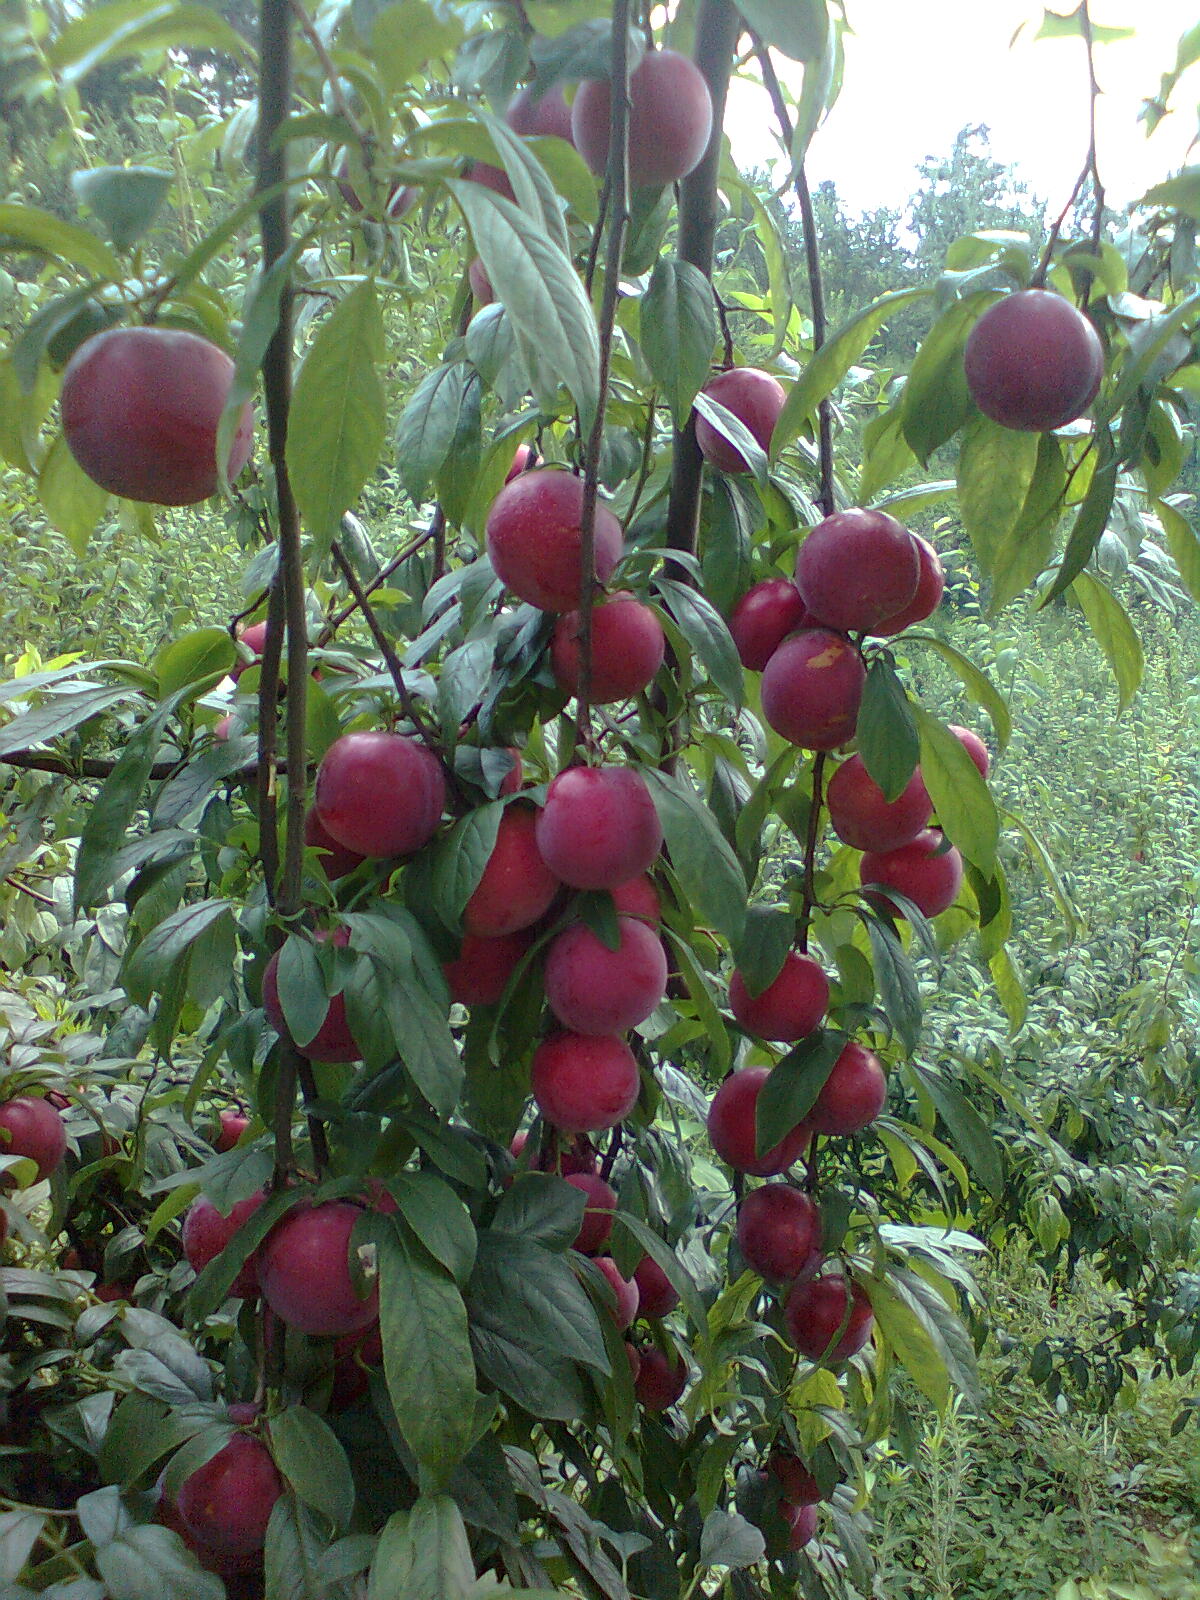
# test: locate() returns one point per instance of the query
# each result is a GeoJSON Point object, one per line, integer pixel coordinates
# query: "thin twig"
{"type": "Point", "coordinates": [438, 522]}
{"type": "Point", "coordinates": [810, 850]}
{"type": "Point", "coordinates": [812, 260]}
{"type": "Point", "coordinates": [384, 645]}
{"type": "Point", "coordinates": [616, 184]}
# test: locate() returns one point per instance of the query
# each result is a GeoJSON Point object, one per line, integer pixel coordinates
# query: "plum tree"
{"type": "Point", "coordinates": [1033, 361]}
{"type": "Point", "coordinates": [755, 398]}
{"type": "Point", "coordinates": [227, 1503]}
{"type": "Point", "coordinates": [517, 887]}
{"type": "Point", "coordinates": [857, 569]}
{"type": "Point", "coordinates": [853, 1095]}
{"type": "Point", "coordinates": [592, 989]}
{"type": "Point", "coordinates": [140, 409]}
{"type": "Point", "coordinates": [862, 818]}
{"type": "Point", "coordinates": [670, 118]}
{"type": "Point", "coordinates": [304, 1271]}
{"type": "Point", "coordinates": [31, 1127]}
{"type": "Point", "coordinates": [812, 688]}
{"type": "Point", "coordinates": [927, 869]}
{"type": "Point", "coordinates": [791, 1005]}
{"type": "Point", "coordinates": [584, 1083]}
{"type": "Point", "coordinates": [599, 828]}
{"type": "Point", "coordinates": [827, 1320]}
{"type": "Point", "coordinates": [732, 1127]}
{"type": "Point", "coordinates": [779, 1232]}
{"type": "Point", "coordinates": [627, 649]}
{"type": "Point", "coordinates": [380, 794]}
{"type": "Point", "coordinates": [533, 538]}
{"type": "Point", "coordinates": [763, 618]}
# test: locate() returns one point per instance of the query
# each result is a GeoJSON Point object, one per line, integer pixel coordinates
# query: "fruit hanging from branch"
{"type": "Point", "coordinates": [1033, 361]}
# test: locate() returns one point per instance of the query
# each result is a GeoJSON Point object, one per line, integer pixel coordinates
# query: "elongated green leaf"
{"type": "Point", "coordinates": [1037, 849]}
{"type": "Point", "coordinates": [678, 329]}
{"type": "Point", "coordinates": [791, 1090]}
{"type": "Point", "coordinates": [969, 1133]}
{"type": "Point", "coordinates": [542, 294]}
{"type": "Point", "coordinates": [1025, 550]}
{"type": "Point", "coordinates": [1183, 544]}
{"type": "Point", "coordinates": [149, 964]}
{"type": "Point", "coordinates": [886, 453]}
{"type": "Point", "coordinates": [735, 432]}
{"type": "Point", "coordinates": [965, 809]}
{"type": "Point", "coordinates": [73, 503]}
{"type": "Point", "coordinates": [703, 997]}
{"type": "Point", "coordinates": [1113, 632]}
{"type": "Point", "coordinates": [337, 424]}
{"type": "Point", "coordinates": [896, 982]}
{"type": "Point", "coordinates": [65, 711]}
{"type": "Point", "coordinates": [706, 630]}
{"type": "Point", "coordinates": [201, 654]}
{"type": "Point", "coordinates": [151, 1563]}
{"type": "Point", "coordinates": [426, 1355]}
{"type": "Point", "coordinates": [423, 1554]}
{"type": "Point", "coordinates": [995, 469]}
{"type": "Point", "coordinates": [936, 401]}
{"type": "Point", "coordinates": [429, 423]}
{"type": "Point", "coordinates": [910, 1341]}
{"type": "Point", "coordinates": [440, 1221]}
{"type": "Point", "coordinates": [111, 813]}
{"type": "Point", "coordinates": [769, 934]}
{"type": "Point", "coordinates": [1090, 522]}
{"type": "Point", "coordinates": [708, 871]}
{"type": "Point", "coordinates": [310, 1456]}
{"type": "Point", "coordinates": [678, 1275]}
{"type": "Point", "coordinates": [974, 680]}
{"type": "Point", "coordinates": [114, 31]}
{"type": "Point", "coordinates": [798, 29]}
{"type": "Point", "coordinates": [944, 1328]}
{"type": "Point", "coordinates": [29, 228]}
{"type": "Point", "coordinates": [887, 732]}
{"type": "Point", "coordinates": [832, 362]}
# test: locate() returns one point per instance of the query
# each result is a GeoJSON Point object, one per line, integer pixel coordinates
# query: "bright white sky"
{"type": "Point", "coordinates": [919, 70]}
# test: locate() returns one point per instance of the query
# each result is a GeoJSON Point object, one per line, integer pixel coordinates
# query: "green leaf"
{"type": "Point", "coordinates": [337, 422]}
{"type": "Point", "coordinates": [30, 228]}
{"type": "Point", "coordinates": [1037, 849]}
{"type": "Point", "coordinates": [945, 1331]}
{"type": "Point", "coordinates": [303, 993]}
{"type": "Point", "coordinates": [429, 424]}
{"type": "Point", "coordinates": [707, 632]}
{"type": "Point", "coordinates": [126, 199]}
{"type": "Point", "coordinates": [965, 809]}
{"type": "Point", "coordinates": [70, 706]}
{"type": "Point", "coordinates": [699, 987]}
{"type": "Point", "coordinates": [1183, 544]}
{"type": "Point", "coordinates": [708, 871]}
{"type": "Point", "coordinates": [543, 1208]}
{"type": "Point", "coordinates": [769, 934]}
{"type": "Point", "coordinates": [792, 1087]}
{"type": "Point", "coordinates": [1009, 988]}
{"type": "Point", "coordinates": [293, 1557]}
{"type": "Point", "coordinates": [727, 1539]}
{"type": "Point", "coordinates": [19, 1532]}
{"type": "Point", "coordinates": [1180, 193]}
{"type": "Point", "coordinates": [1113, 632]}
{"type": "Point", "coordinates": [995, 469]}
{"type": "Point", "coordinates": [909, 1340]}
{"type": "Point", "coordinates": [70, 499]}
{"type": "Point", "coordinates": [460, 857]}
{"type": "Point", "coordinates": [798, 29]}
{"type": "Point", "coordinates": [1090, 522]}
{"type": "Point", "coordinates": [204, 653]}
{"type": "Point", "coordinates": [887, 731]}
{"type": "Point", "coordinates": [310, 1456]}
{"type": "Point", "coordinates": [1070, 25]}
{"type": "Point", "coordinates": [542, 294]}
{"type": "Point", "coordinates": [895, 981]}
{"type": "Point", "coordinates": [439, 1219]}
{"type": "Point", "coordinates": [969, 1133]}
{"type": "Point", "coordinates": [678, 329]}
{"type": "Point", "coordinates": [427, 1358]}
{"type": "Point", "coordinates": [423, 1554]}
{"type": "Point", "coordinates": [150, 1563]}
{"type": "Point", "coordinates": [974, 680]}
{"type": "Point", "coordinates": [111, 813]}
{"type": "Point", "coordinates": [127, 27]}
{"type": "Point", "coordinates": [677, 1274]}
{"type": "Point", "coordinates": [735, 432]}
{"type": "Point", "coordinates": [832, 362]}
{"type": "Point", "coordinates": [408, 35]}
{"type": "Point", "coordinates": [1025, 550]}
{"type": "Point", "coordinates": [150, 963]}
{"type": "Point", "coordinates": [936, 401]}
{"type": "Point", "coordinates": [886, 453]}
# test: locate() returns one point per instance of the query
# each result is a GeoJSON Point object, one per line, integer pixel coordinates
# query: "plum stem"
{"type": "Point", "coordinates": [810, 852]}
{"type": "Point", "coordinates": [616, 184]}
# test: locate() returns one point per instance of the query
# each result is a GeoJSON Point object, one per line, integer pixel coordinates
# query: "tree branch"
{"type": "Point", "coordinates": [717, 29]}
